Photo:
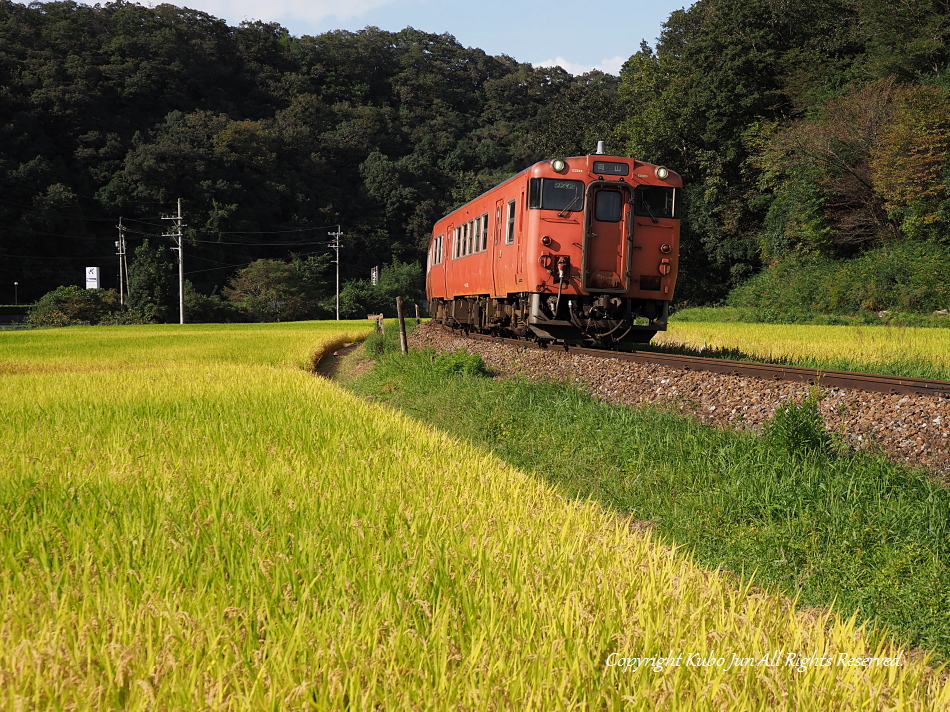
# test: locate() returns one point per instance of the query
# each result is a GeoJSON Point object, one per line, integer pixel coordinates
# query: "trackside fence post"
{"type": "Point", "coordinates": [403, 343]}
{"type": "Point", "coordinates": [377, 320]}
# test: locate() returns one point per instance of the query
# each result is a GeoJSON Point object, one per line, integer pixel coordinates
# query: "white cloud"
{"type": "Point", "coordinates": [609, 66]}
{"type": "Point", "coordinates": [235, 11]}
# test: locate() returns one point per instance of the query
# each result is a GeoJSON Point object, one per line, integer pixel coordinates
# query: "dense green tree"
{"type": "Point", "coordinates": [274, 290]}
{"type": "Point", "coordinates": [359, 298]}
{"type": "Point", "coordinates": [910, 162]}
{"type": "Point", "coordinates": [153, 296]}
{"type": "Point", "coordinates": [586, 111]}
{"type": "Point", "coordinates": [209, 308]}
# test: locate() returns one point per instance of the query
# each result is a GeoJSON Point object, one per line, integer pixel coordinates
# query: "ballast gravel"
{"type": "Point", "coordinates": [910, 429]}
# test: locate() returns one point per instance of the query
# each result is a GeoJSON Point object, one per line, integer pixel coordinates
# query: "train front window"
{"type": "Point", "coordinates": [655, 201]}
{"type": "Point", "coordinates": [608, 206]}
{"type": "Point", "coordinates": [556, 194]}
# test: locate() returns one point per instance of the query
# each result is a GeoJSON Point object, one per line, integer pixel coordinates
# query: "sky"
{"type": "Point", "coordinates": [578, 35]}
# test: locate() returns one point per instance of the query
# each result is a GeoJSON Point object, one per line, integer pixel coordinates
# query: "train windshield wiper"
{"type": "Point", "coordinates": [570, 206]}
{"type": "Point", "coordinates": [646, 206]}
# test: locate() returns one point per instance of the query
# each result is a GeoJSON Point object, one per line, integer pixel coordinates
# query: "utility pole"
{"type": "Point", "coordinates": [123, 265]}
{"type": "Point", "coordinates": [177, 236]}
{"type": "Point", "coordinates": [336, 246]}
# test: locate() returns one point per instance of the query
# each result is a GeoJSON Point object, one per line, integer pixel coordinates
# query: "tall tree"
{"type": "Point", "coordinates": [152, 295]}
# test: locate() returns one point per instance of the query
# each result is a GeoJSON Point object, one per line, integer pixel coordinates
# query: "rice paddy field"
{"type": "Point", "coordinates": [919, 352]}
{"type": "Point", "coordinates": [190, 519]}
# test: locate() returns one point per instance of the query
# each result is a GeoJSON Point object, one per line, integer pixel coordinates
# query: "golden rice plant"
{"type": "Point", "coordinates": [843, 347]}
{"type": "Point", "coordinates": [191, 520]}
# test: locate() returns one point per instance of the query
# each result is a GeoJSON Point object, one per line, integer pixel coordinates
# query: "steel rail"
{"type": "Point", "coordinates": [821, 377]}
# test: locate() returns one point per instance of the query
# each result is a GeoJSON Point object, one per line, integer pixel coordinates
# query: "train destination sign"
{"type": "Point", "coordinates": [611, 168]}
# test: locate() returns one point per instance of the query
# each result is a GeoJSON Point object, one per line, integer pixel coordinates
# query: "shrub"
{"type": "Point", "coordinates": [459, 362]}
{"type": "Point", "coordinates": [904, 277]}
{"type": "Point", "coordinates": [799, 429]}
{"type": "Point", "coordinates": [375, 344]}
{"type": "Point", "coordinates": [73, 306]}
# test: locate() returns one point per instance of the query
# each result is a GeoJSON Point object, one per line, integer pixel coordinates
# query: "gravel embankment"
{"type": "Point", "coordinates": [912, 429]}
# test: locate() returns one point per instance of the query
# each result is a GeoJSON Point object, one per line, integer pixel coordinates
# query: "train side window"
{"type": "Point", "coordinates": [457, 247]}
{"type": "Point", "coordinates": [465, 240]}
{"type": "Point", "coordinates": [608, 206]}
{"type": "Point", "coordinates": [471, 237]}
{"type": "Point", "coordinates": [478, 235]}
{"type": "Point", "coordinates": [484, 232]}
{"type": "Point", "coordinates": [510, 234]}
{"type": "Point", "coordinates": [437, 251]}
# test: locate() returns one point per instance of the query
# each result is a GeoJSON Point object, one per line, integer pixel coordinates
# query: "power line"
{"type": "Point", "coordinates": [275, 232]}
{"type": "Point", "coordinates": [263, 244]}
{"type": "Point", "coordinates": [240, 264]}
{"type": "Point", "coordinates": [45, 257]}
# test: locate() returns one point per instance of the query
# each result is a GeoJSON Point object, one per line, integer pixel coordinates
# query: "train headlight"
{"type": "Point", "coordinates": [662, 172]}
{"type": "Point", "coordinates": [558, 165]}
{"type": "Point", "coordinates": [665, 249]}
{"type": "Point", "coordinates": [545, 240]}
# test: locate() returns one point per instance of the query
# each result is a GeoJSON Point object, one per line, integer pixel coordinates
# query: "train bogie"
{"type": "Point", "coordinates": [582, 248]}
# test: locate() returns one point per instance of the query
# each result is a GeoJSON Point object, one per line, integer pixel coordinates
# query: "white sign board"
{"type": "Point", "coordinates": [92, 278]}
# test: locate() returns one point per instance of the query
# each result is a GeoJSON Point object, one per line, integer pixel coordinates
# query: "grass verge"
{"type": "Point", "coordinates": [824, 524]}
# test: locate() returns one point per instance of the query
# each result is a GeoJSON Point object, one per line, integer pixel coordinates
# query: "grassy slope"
{"type": "Point", "coordinates": [189, 520]}
{"type": "Point", "coordinates": [846, 528]}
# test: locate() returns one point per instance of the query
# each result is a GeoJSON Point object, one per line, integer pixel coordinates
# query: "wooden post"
{"type": "Point", "coordinates": [418, 316]}
{"type": "Point", "coordinates": [378, 320]}
{"type": "Point", "coordinates": [403, 343]}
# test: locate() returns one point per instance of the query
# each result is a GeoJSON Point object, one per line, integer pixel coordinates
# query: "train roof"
{"type": "Point", "coordinates": [596, 156]}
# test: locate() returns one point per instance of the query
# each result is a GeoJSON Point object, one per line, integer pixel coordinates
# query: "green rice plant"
{"type": "Point", "coordinates": [189, 519]}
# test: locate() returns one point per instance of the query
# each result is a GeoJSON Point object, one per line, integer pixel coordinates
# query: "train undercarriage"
{"type": "Point", "coordinates": [601, 320]}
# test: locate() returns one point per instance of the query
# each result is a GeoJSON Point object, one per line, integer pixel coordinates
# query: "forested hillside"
{"type": "Point", "coordinates": [806, 129]}
{"type": "Point", "coordinates": [119, 110]}
{"type": "Point", "coordinates": [809, 132]}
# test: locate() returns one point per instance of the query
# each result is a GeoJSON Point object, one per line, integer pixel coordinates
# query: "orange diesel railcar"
{"type": "Point", "coordinates": [580, 248]}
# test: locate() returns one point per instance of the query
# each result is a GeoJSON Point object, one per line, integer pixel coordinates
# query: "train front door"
{"type": "Point", "coordinates": [606, 247]}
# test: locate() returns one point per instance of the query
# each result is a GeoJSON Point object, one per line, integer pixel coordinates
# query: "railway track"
{"type": "Point", "coordinates": [828, 379]}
